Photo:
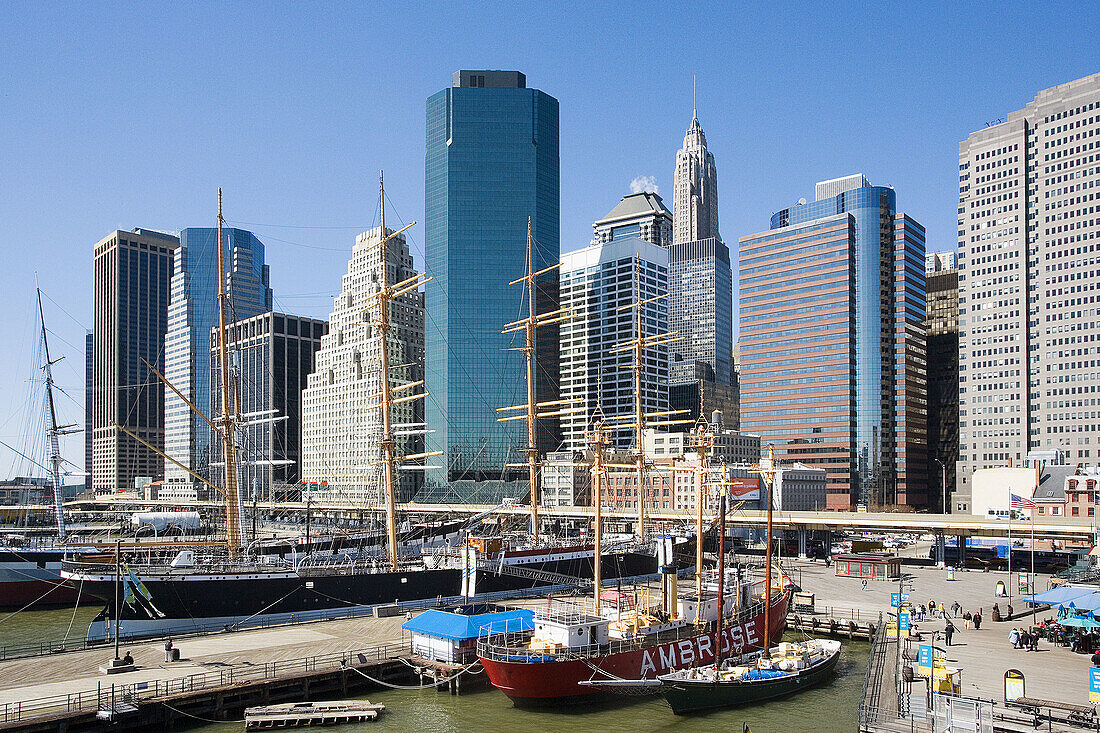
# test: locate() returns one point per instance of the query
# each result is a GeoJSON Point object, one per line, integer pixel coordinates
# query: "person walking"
{"type": "Point", "coordinates": [943, 611]}
{"type": "Point", "coordinates": [1033, 638]}
{"type": "Point", "coordinates": [948, 632]}
{"type": "Point", "coordinates": [168, 651]}
{"type": "Point", "coordinates": [1009, 611]}
{"type": "Point", "coordinates": [1096, 659]}
{"type": "Point", "coordinates": [955, 609]}
{"type": "Point", "coordinates": [1014, 638]}
{"type": "Point", "coordinates": [1025, 640]}
{"type": "Point", "coordinates": [978, 620]}
{"type": "Point", "coordinates": [967, 618]}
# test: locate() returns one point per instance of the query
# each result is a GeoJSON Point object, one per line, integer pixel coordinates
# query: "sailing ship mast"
{"type": "Point", "coordinates": [703, 442]}
{"type": "Point", "coordinates": [722, 577]}
{"type": "Point", "coordinates": [641, 420]}
{"type": "Point", "coordinates": [385, 294]}
{"type": "Point", "coordinates": [768, 471]}
{"type": "Point", "coordinates": [233, 530]}
{"type": "Point", "coordinates": [598, 440]}
{"type": "Point", "coordinates": [528, 325]}
{"type": "Point", "coordinates": [55, 431]}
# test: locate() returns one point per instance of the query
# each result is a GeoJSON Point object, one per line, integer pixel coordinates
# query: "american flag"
{"type": "Point", "coordinates": [1019, 502]}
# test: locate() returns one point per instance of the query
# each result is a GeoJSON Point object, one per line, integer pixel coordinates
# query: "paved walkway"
{"type": "Point", "coordinates": [1052, 673]}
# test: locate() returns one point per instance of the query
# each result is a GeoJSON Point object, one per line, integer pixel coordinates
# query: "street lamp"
{"type": "Point", "coordinates": [943, 482]}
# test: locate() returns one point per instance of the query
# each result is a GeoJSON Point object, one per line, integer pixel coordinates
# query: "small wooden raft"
{"type": "Point", "coordinates": [300, 714]}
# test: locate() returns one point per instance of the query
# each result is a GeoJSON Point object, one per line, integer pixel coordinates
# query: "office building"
{"type": "Point", "coordinates": [341, 406]}
{"type": "Point", "coordinates": [700, 285]}
{"type": "Point", "coordinates": [566, 479]}
{"type": "Point", "coordinates": [192, 313]}
{"type": "Point", "coordinates": [942, 326]}
{"type": "Point", "coordinates": [730, 446]}
{"type": "Point", "coordinates": [1029, 371]}
{"type": "Point", "coordinates": [89, 401]}
{"type": "Point", "coordinates": [491, 163]}
{"type": "Point", "coordinates": [598, 285]}
{"type": "Point", "coordinates": [695, 189]}
{"type": "Point", "coordinates": [832, 346]}
{"type": "Point", "coordinates": [940, 262]}
{"type": "Point", "coordinates": [642, 215]}
{"type": "Point", "coordinates": [270, 356]}
{"type": "Point", "coordinates": [130, 294]}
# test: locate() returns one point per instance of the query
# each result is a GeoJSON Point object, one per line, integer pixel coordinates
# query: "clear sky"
{"type": "Point", "coordinates": [123, 115]}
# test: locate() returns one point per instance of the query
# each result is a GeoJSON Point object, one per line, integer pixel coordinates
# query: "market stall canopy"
{"type": "Point", "coordinates": [1060, 596]}
{"type": "Point", "coordinates": [1084, 622]}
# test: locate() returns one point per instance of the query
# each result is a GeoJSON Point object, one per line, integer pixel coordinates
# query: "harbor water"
{"type": "Point", "coordinates": [831, 707]}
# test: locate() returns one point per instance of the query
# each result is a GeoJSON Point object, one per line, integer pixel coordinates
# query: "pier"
{"type": "Point", "coordinates": [895, 701]}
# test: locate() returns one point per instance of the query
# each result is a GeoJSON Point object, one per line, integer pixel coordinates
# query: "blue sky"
{"type": "Point", "coordinates": [123, 115]}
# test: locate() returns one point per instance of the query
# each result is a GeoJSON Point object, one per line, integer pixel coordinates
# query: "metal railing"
{"type": "Point", "coordinates": [88, 700]}
{"type": "Point", "coordinates": [514, 646]}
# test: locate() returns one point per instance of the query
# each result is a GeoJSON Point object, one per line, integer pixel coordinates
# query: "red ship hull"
{"type": "Point", "coordinates": [20, 593]}
{"type": "Point", "coordinates": [543, 683]}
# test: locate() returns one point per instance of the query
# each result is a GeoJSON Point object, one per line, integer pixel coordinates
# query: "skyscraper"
{"type": "Point", "coordinates": [341, 420]}
{"type": "Point", "coordinates": [832, 344]}
{"type": "Point", "coordinates": [271, 355]}
{"type": "Point", "coordinates": [598, 284]}
{"type": "Point", "coordinates": [131, 279]}
{"type": "Point", "coordinates": [695, 189]}
{"type": "Point", "coordinates": [642, 215]}
{"type": "Point", "coordinates": [942, 326]}
{"type": "Point", "coordinates": [491, 163]}
{"type": "Point", "coordinates": [192, 312]}
{"type": "Point", "coordinates": [700, 287]}
{"type": "Point", "coordinates": [1028, 239]}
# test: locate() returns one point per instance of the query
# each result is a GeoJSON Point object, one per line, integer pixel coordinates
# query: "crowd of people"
{"type": "Point", "coordinates": [932, 610]}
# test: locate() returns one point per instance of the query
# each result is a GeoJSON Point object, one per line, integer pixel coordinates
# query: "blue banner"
{"type": "Point", "coordinates": [1094, 684]}
{"type": "Point", "coordinates": [924, 659]}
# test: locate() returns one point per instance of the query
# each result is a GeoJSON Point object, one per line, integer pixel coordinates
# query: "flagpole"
{"type": "Point", "coordinates": [1010, 546]}
{"type": "Point", "coordinates": [1031, 578]}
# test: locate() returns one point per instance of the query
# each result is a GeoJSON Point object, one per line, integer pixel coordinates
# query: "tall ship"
{"type": "Point", "coordinates": [30, 567]}
{"type": "Point", "coordinates": [575, 654]}
{"type": "Point", "coordinates": [189, 590]}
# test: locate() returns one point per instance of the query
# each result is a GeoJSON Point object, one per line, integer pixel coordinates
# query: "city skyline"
{"type": "Point", "coordinates": [222, 118]}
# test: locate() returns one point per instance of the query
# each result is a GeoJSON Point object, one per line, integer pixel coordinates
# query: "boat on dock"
{"type": "Point", "coordinates": [302, 714]}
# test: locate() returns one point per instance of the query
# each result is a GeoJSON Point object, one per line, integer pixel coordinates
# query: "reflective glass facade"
{"type": "Point", "coordinates": [491, 162]}
{"type": "Point", "coordinates": [193, 311]}
{"type": "Point", "coordinates": [780, 284]}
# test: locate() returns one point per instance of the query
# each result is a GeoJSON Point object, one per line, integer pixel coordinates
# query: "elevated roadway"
{"type": "Point", "coordinates": [951, 525]}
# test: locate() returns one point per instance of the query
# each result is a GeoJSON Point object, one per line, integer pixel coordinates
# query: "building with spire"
{"type": "Point", "coordinates": [700, 287]}
{"type": "Point", "coordinates": [695, 189]}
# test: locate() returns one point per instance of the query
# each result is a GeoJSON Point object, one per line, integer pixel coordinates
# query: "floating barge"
{"type": "Point", "coordinates": [301, 714]}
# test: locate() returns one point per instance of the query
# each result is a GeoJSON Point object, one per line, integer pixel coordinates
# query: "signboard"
{"type": "Point", "coordinates": [1014, 685]}
{"type": "Point", "coordinates": [903, 624]}
{"type": "Point", "coordinates": [896, 597]}
{"type": "Point", "coordinates": [1094, 684]}
{"type": "Point", "coordinates": [1023, 584]}
{"type": "Point", "coordinates": [950, 572]}
{"type": "Point", "coordinates": [744, 489]}
{"type": "Point", "coordinates": [924, 660]}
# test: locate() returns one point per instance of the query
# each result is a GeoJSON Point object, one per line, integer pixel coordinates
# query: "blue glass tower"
{"type": "Point", "coordinates": [491, 161]}
{"type": "Point", "coordinates": [192, 312]}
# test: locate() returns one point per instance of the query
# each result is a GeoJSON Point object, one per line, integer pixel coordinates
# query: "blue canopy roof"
{"type": "Point", "coordinates": [459, 627]}
{"type": "Point", "coordinates": [1060, 596]}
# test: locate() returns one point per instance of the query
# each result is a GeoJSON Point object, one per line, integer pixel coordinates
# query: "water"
{"type": "Point", "coordinates": [48, 625]}
{"type": "Point", "coordinates": [829, 708]}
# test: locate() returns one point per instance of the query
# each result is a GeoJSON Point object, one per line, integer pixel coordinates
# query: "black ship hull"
{"type": "Point", "coordinates": [179, 602]}
{"type": "Point", "coordinates": [693, 696]}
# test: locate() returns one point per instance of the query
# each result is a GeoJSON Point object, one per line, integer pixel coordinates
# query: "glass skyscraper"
{"type": "Point", "coordinates": [491, 162]}
{"type": "Point", "coordinates": [192, 312]}
{"type": "Point", "coordinates": [832, 347]}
